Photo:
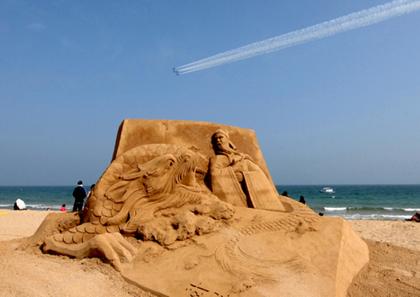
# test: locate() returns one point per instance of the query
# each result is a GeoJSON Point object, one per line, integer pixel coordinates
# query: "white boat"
{"type": "Point", "coordinates": [328, 190]}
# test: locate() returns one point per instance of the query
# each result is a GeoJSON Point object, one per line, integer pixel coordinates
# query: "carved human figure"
{"type": "Point", "coordinates": [237, 179]}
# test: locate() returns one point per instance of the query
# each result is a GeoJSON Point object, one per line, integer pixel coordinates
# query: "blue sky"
{"type": "Point", "coordinates": [341, 110]}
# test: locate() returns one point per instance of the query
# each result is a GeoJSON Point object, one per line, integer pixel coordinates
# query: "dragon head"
{"type": "Point", "coordinates": [164, 173]}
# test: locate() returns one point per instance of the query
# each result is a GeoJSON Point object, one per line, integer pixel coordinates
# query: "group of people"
{"type": "Point", "coordinates": [301, 198]}
{"type": "Point", "coordinates": [79, 195]}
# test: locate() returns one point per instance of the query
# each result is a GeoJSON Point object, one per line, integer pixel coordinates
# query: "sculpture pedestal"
{"type": "Point", "coordinates": [262, 253]}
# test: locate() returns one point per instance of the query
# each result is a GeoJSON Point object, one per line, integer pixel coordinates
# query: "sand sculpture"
{"type": "Point", "coordinates": [236, 179]}
{"type": "Point", "coordinates": [190, 209]}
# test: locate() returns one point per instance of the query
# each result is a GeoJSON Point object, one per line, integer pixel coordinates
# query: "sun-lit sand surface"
{"type": "Point", "coordinates": [399, 233]}
{"type": "Point", "coordinates": [394, 269]}
{"type": "Point", "coordinates": [18, 224]}
{"type": "Point", "coordinates": [35, 274]}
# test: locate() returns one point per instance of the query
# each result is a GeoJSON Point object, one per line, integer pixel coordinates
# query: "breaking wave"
{"type": "Point", "coordinates": [363, 208]}
{"type": "Point", "coordinates": [385, 217]}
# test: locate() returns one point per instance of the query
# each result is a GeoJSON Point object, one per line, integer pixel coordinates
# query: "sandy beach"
{"type": "Point", "coordinates": [394, 269]}
{"type": "Point", "coordinates": [36, 274]}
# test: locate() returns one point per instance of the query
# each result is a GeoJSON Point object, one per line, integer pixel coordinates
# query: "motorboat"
{"type": "Point", "coordinates": [327, 190]}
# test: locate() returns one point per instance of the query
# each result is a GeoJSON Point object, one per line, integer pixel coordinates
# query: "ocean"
{"type": "Point", "coordinates": [353, 202]}
{"type": "Point", "coordinates": [37, 197]}
{"type": "Point", "coordinates": [360, 202]}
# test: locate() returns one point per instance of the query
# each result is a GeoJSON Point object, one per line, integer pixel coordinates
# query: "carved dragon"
{"type": "Point", "coordinates": [149, 196]}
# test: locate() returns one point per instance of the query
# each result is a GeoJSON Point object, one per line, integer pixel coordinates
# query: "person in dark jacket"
{"type": "Point", "coordinates": [79, 195]}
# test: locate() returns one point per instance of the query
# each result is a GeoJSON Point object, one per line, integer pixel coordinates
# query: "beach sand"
{"type": "Point", "coordinates": [18, 224]}
{"type": "Point", "coordinates": [399, 233]}
{"type": "Point", "coordinates": [25, 274]}
{"type": "Point", "coordinates": [394, 269]}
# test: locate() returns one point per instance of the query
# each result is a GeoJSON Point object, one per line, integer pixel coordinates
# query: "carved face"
{"type": "Point", "coordinates": [221, 142]}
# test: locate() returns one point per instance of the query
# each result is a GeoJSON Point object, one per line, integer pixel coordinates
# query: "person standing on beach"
{"type": "Point", "coordinates": [79, 195]}
{"type": "Point", "coordinates": [92, 186]}
{"type": "Point", "coordinates": [302, 199]}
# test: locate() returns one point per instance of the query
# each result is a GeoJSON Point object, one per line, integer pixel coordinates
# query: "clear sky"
{"type": "Point", "coordinates": [341, 110]}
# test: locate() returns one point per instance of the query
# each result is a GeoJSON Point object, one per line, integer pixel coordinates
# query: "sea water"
{"type": "Point", "coordinates": [37, 197]}
{"type": "Point", "coordinates": [360, 202]}
{"type": "Point", "coordinates": [372, 202]}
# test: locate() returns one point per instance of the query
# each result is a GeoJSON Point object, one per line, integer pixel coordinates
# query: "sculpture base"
{"type": "Point", "coordinates": [262, 253]}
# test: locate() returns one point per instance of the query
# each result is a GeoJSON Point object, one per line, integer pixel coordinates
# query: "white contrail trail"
{"type": "Point", "coordinates": [348, 22]}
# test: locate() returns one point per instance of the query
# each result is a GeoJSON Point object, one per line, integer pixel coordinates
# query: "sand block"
{"type": "Point", "coordinates": [135, 132]}
{"type": "Point", "coordinates": [263, 253]}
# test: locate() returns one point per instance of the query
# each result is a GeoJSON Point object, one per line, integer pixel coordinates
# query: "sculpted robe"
{"type": "Point", "coordinates": [258, 192]}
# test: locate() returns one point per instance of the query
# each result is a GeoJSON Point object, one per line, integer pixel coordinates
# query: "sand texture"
{"type": "Point", "coordinates": [18, 224]}
{"type": "Point", "coordinates": [201, 199]}
{"type": "Point", "coordinates": [188, 208]}
{"type": "Point", "coordinates": [260, 254]}
{"type": "Point", "coordinates": [394, 267]}
{"type": "Point", "coordinates": [399, 233]}
{"type": "Point", "coordinates": [35, 274]}
{"type": "Point", "coordinates": [392, 270]}
{"type": "Point", "coordinates": [135, 132]}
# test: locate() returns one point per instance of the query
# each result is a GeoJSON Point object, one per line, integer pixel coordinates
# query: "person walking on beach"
{"type": "Point", "coordinates": [79, 195]}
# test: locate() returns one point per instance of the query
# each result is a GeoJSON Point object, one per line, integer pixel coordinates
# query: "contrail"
{"type": "Point", "coordinates": [348, 22]}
